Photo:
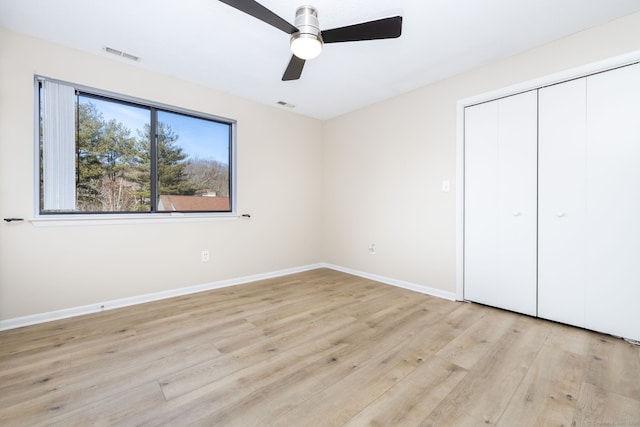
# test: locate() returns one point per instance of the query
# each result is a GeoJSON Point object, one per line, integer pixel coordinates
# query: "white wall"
{"type": "Point", "coordinates": [384, 165]}
{"type": "Point", "coordinates": [49, 269]}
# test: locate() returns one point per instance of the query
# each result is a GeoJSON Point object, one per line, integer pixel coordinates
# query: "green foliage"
{"type": "Point", "coordinates": [172, 162]}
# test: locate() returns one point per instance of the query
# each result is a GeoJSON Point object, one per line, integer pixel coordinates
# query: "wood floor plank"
{"type": "Point", "coordinates": [338, 403]}
{"type": "Point", "coordinates": [419, 393]}
{"type": "Point", "coordinates": [614, 365]}
{"type": "Point", "coordinates": [548, 393]}
{"type": "Point", "coordinates": [372, 340]}
{"type": "Point", "coordinates": [485, 392]}
{"type": "Point", "coordinates": [220, 396]}
{"type": "Point", "coordinates": [117, 359]}
{"type": "Point", "coordinates": [197, 376]}
{"type": "Point", "coordinates": [73, 392]}
{"type": "Point", "coordinates": [262, 404]}
{"type": "Point", "coordinates": [63, 337]}
{"type": "Point", "coordinates": [315, 348]}
{"type": "Point", "coordinates": [114, 410]}
{"type": "Point", "coordinates": [597, 406]}
{"type": "Point", "coordinates": [448, 414]}
{"type": "Point", "coordinates": [467, 348]}
{"type": "Point", "coordinates": [569, 338]}
{"type": "Point", "coordinates": [433, 336]}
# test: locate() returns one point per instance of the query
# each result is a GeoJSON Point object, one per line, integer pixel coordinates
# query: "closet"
{"type": "Point", "coordinates": [552, 202]}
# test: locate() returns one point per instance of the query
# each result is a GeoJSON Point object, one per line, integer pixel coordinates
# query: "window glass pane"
{"type": "Point", "coordinates": [113, 156]}
{"type": "Point", "coordinates": [193, 163]}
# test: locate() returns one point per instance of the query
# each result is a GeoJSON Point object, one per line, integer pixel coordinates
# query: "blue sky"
{"type": "Point", "coordinates": [200, 138]}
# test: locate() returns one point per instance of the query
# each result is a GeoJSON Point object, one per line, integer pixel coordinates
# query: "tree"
{"type": "Point", "coordinates": [209, 176]}
{"type": "Point", "coordinates": [88, 171]}
{"type": "Point", "coordinates": [106, 156]}
{"type": "Point", "coordinates": [172, 163]}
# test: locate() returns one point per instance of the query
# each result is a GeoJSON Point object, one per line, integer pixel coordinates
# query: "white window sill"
{"type": "Point", "coordinates": [123, 219]}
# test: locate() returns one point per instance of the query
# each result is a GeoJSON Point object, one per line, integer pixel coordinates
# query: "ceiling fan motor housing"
{"type": "Point", "coordinates": [306, 22]}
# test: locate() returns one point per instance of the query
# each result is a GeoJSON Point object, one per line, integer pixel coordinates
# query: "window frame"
{"type": "Point", "coordinates": [127, 217]}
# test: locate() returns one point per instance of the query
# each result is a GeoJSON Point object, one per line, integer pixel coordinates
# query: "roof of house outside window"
{"type": "Point", "coordinates": [192, 203]}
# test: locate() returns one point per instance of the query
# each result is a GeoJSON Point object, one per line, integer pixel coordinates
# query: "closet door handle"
{"type": "Point", "coordinates": [560, 214]}
{"type": "Point", "coordinates": [517, 213]}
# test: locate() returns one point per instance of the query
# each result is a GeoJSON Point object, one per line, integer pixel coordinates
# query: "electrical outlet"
{"type": "Point", "coordinates": [204, 256]}
{"type": "Point", "coordinates": [372, 248]}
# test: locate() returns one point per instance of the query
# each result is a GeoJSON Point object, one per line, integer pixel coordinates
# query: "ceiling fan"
{"type": "Point", "coordinates": [306, 37]}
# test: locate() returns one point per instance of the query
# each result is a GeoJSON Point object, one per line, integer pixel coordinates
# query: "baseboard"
{"type": "Point", "coordinates": [35, 319]}
{"type": "Point", "coordinates": [393, 282]}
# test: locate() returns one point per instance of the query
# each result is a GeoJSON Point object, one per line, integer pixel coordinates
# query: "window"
{"type": "Point", "coordinates": [105, 153]}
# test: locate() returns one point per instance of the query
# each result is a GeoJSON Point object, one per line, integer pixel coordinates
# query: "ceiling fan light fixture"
{"type": "Point", "coordinates": [306, 46]}
{"type": "Point", "coordinates": [306, 43]}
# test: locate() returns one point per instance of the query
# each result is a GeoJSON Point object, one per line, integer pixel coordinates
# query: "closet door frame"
{"type": "Point", "coordinates": [582, 71]}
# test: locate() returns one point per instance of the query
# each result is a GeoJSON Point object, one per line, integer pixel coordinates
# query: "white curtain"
{"type": "Point", "coordinates": [59, 143]}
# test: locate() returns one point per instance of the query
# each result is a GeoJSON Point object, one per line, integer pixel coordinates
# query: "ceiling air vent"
{"type": "Point", "coordinates": [121, 54]}
{"type": "Point", "coordinates": [285, 104]}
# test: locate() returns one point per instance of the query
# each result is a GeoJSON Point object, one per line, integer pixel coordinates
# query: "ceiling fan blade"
{"type": "Point", "coordinates": [260, 12]}
{"type": "Point", "coordinates": [386, 28]}
{"type": "Point", "coordinates": [294, 69]}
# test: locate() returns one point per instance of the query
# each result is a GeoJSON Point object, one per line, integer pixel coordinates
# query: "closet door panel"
{"type": "Point", "coordinates": [481, 200]}
{"type": "Point", "coordinates": [500, 203]}
{"type": "Point", "coordinates": [517, 201]}
{"type": "Point", "coordinates": [613, 202]}
{"type": "Point", "coordinates": [561, 202]}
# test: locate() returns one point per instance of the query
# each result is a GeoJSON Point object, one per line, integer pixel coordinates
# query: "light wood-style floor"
{"type": "Point", "coordinates": [320, 348]}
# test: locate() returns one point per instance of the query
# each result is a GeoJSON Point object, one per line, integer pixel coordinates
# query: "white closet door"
{"type": "Point", "coordinates": [500, 203]}
{"type": "Point", "coordinates": [613, 202]}
{"type": "Point", "coordinates": [562, 266]}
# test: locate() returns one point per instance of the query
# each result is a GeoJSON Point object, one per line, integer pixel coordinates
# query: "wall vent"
{"type": "Point", "coordinates": [121, 54]}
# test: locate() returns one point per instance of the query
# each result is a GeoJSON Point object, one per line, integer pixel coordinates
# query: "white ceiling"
{"type": "Point", "coordinates": [210, 43]}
